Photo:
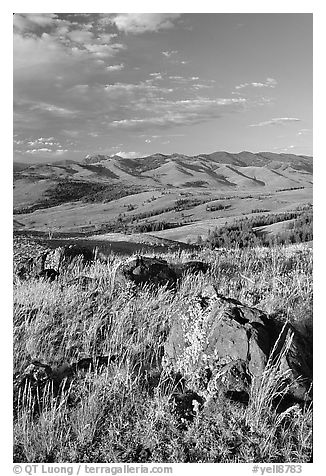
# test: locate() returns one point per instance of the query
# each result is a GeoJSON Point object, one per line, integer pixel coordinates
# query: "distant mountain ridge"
{"type": "Point", "coordinates": [243, 158]}
{"type": "Point", "coordinates": [218, 171]}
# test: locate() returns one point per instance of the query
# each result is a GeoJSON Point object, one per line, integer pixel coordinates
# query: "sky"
{"type": "Point", "coordinates": [139, 84]}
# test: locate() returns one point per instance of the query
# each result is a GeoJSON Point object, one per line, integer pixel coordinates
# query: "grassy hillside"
{"type": "Point", "coordinates": [189, 207]}
{"type": "Point", "coordinates": [124, 413]}
{"type": "Point", "coordinates": [177, 197]}
{"type": "Point", "coordinates": [220, 171]}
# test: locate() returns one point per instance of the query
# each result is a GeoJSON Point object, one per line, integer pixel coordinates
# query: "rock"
{"type": "Point", "coordinates": [233, 338]}
{"type": "Point", "coordinates": [50, 261]}
{"type": "Point", "coordinates": [76, 251]}
{"type": "Point", "coordinates": [233, 380]}
{"type": "Point", "coordinates": [93, 364]}
{"type": "Point", "coordinates": [297, 362]}
{"type": "Point", "coordinates": [53, 258]}
{"type": "Point", "coordinates": [36, 381]}
{"type": "Point", "coordinates": [243, 333]}
{"type": "Point", "coordinates": [31, 385]}
{"type": "Point", "coordinates": [154, 271]}
{"type": "Point", "coordinates": [48, 274]}
{"type": "Point", "coordinates": [84, 281]}
{"type": "Point", "coordinates": [190, 267]}
{"type": "Point", "coordinates": [66, 254]}
{"type": "Point", "coordinates": [186, 404]}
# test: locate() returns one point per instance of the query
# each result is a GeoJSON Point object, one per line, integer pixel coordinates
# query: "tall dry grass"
{"type": "Point", "coordinates": [117, 413]}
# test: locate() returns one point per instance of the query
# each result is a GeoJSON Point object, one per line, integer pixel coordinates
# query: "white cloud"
{"type": "Point", "coordinates": [128, 155]}
{"type": "Point", "coordinates": [201, 86]}
{"type": "Point", "coordinates": [106, 37]}
{"type": "Point", "coordinates": [46, 150]}
{"type": "Point", "coordinates": [30, 21]}
{"type": "Point", "coordinates": [156, 75]}
{"type": "Point", "coordinates": [142, 22]}
{"type": "Point", "coordinates": [284, 149]}
{"type": "Point", "coordinates": [104, 51]}
{"type": "Point", "coordinates": [276, 121]}
{"type": "Point", "coordinates": [42, 140]}
{"type": "Point", "coordinates": [269, 83]}
{"type": "Point", "coordinates": [35, 151]}
{"type": "Point", "coordinates": [303, 132]}
{"type": "Point", "coordinates": [61, 111]}
{"type": "Point", "coordinates": [121, 89]}
{"type": "Point", "coordinates": [169, 53]}
{"type": "Point", "coordinates": [80, 36]}
{"type": "Point", "coordinates": [115, 67]}
{"type": "Point", "coordinates": [179, 112]}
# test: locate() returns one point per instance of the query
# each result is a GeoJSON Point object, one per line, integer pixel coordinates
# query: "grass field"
{"type": "Point", "coordinates": [124, 413]}
{"type": "Point", "coordinates": [158, 206]}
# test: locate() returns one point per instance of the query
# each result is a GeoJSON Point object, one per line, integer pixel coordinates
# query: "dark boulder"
{"type": "Point", "coordinates": [63, 255]}
{"type": "Point", "coordinates": [238, 340]}
{"type": "Point", "coordinates": [190, 267]}
{"type": "Point", "coordinates": [297, 362]}
{"type": "Point", "coordinates": [92, 364]}
{"type": "Point", "coordinates": [186, 404]}
{"type": "Point", "coordinates": [71, 252]}
{"type": "Point", "coordinates": [33, 385]}
{"type": "Point", "coordinates": [39, 380]}
{"type": "Point", "coordinates": [48, 274]}
{"type": "Point", "coordinates": [153, 271]}
{"type": "Point", "coordinates": [51, 260]}
{"type": "Point", "coordinates": [233, 380]}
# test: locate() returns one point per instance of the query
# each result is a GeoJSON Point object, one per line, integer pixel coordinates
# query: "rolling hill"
{"type": "Point", "coordinates": [99, 192]}
{"type": "Point", "coordinates": [219, 170]}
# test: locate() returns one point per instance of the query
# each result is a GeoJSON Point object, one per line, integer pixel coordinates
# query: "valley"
{"type": "Point", "coordinates": [172, 197]}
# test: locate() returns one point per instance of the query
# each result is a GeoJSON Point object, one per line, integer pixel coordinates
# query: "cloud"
{"type": "Point", "coordinates": [35, 151]}
{"type": "Point", "coordinates": [284, 149]}
{"type": "Point", "coordinates": [179, 112]}
{"type": "Point", "coordinates": [43, 141]}
{"type": "Point", "coordinates": [115, 67]}
{"type": "Point", "coordinates": [104, 51]}
{"type": "Point", "coordinates": [141, 22]}
{"type": "Point", "coordinates": [128, 155]}
{"type": "Point", "coordinates": [303, 132]}
{"type": "Point", "coordinates": [269, 83]}
{"type": "Point", "coordinates": [65, 83]}
{"type": "Point", "coordinates": [43, 150]}
{"type": "Point", "coordinates": [171, 56]}
{"type": "Point", "coordinates": [201, 86]}
{"type": "Point", "coordinates": [61, 111]}
{"type": "Point", "coordinates": [80, 36]}
{"type": "Point", "coordinates": [31, 21]}
{"type": "Point", "coordinates": [168, 54]}
{"type": "Point", "coordinates": [141, 90]}
{"type": "Point", "coordinates": [157, 76]}
{"type": "Point", "coordinates": [60, 46]}
{"type": "Point", "coordinates": [193, 82]}
{"type": "Point", "coordinates": [278, 121]}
